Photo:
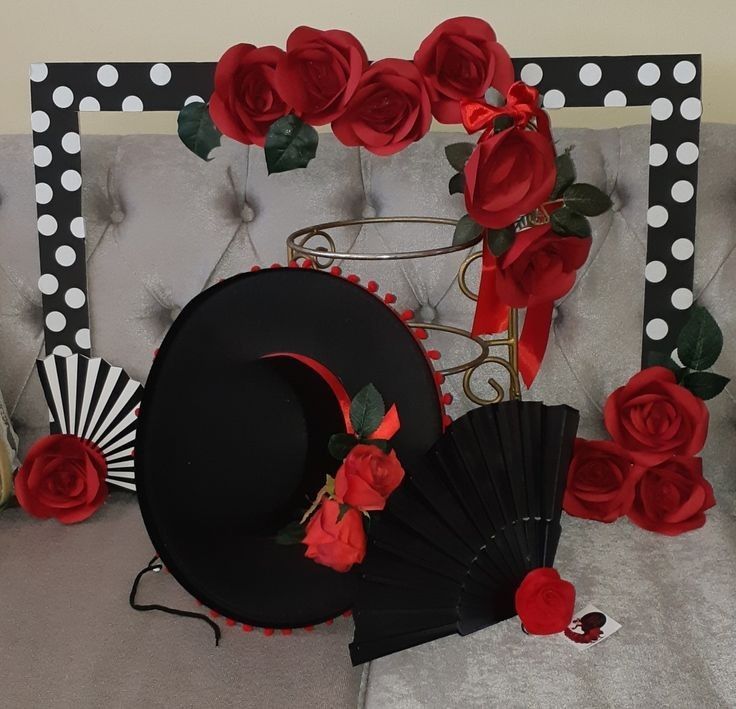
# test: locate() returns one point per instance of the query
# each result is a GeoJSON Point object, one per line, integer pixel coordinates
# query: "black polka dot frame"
{"type": "Point", "coordinates": [669, 84]}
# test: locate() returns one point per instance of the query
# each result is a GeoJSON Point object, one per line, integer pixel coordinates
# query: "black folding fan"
{"type": "Point", "coordinates": [472, 517]}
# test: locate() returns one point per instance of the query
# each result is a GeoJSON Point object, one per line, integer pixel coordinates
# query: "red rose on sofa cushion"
{"type": "Point", "coordinates": [334, 541]}
{"type": "Point", "coordinates": [245, 101]}
{"type": "Point", "coordinates": [545, 602]}
{"type": "Point", "coordinates": [540, 266]}
{"type": "Point", "coordinates": [509, 174]}
{"type": "Point", "coordinates": [320, 72]}
{"type": "Point", "coordinates": [600, 483]}
{"type": "Point", "coordinates": [62, 477]}
{"type": "Point", "coordinates": [367, 477]}
{"type": "Point", "coordinates": [671, 497]}
{"type": "Point", "coordinates": [653, 417]}
{"type": "Point", "coordinates": [460, 59]}
{"type": "Point", "coordinates": [389, 110]}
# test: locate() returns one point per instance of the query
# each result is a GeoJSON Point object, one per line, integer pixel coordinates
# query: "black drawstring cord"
{"type": "Point", "coordinates": [153, 566]}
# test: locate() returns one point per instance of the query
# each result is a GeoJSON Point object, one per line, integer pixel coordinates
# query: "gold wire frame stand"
{"type": "Point", "coordinates": [324, 256]}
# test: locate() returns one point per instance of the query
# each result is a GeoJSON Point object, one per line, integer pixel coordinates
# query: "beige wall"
{"type": "Point", "coordinates": [180, 30]}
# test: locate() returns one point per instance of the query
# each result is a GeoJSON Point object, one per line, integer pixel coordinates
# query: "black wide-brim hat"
{"type": "Point", "coordinates": [234, 425]}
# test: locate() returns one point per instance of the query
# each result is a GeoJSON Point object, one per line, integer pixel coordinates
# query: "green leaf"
{"type": "Point", "coordinates": [500, 240]}
{"type": "Point", "coordinates": [565, 173]}
{"type": "Point", "coordinates": [705, 385]}
{"type": "Point", "coordinates": [661, 359]}
{"type": "Point", "coordinates": [367, 411]}
{"type": "Point", "coordinates": [568, 223]}
{"type": "Point", "coordinates": [466, 230]}
{"type": "Point", "coordinates": [502, 123]}
{"type": "Point", "coordinates": [342, 511]}
{"type": "Point", "coordinates": [700, 341]}
{"type": "Point", "coordinates": [340, 444]}
{"type": "Point", "coordinates": [385, 446]}
{"type": "Point", "coordinates": [290, 143]}
{"type": "Point", "coordinates": [292, 533]}
{"type": "Point", "coordinates": [457, 183]}
{"type": "Point", "coordinates": [196, 129]}
{"type": "Point", "coordinates": [458, 154]}
{"type": "Point", "coordinates": [586, 199]}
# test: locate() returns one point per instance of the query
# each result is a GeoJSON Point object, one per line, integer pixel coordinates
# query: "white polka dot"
{"type": "Point", "coordinates": [590, 74]}
{"type": "Point", "coordinates": [89, 103]}
{"type": "Point", "coordinates": [687, 153]}
{"type": "Point", "coordinates": [655, 271]}
{"type": "Point", "coordinates": [657, 216]}
{"type": "Point", "coordinates": [76, 226]}
{"type": "Point", "coordinates": [160, 74]}
{"type": "Point", "coordinates": [132, 103]}
{"type": "Point", "coordinates": [682, 249]}
{"type": "Point", "coordinates": [55, 321]}
{"type": "Point", "coordinates": [676, 358]}
{"type": "Point", "coordinates": [657, 154]}
{"type": "Point", "coordinates": [75, 298]}
{"type": "Point", "coordinates": [41, 156]}
{"type": "Point", "coordinates": [531, 74]}
{"type": "Point", "coordinates": [615, 98]}
{"type": "Point", "coordinates": [691, 108]}
{"type": "Point", "coordinates": [44, 193]}
{"type": "Point", "coordinates": [40, 121]}
{"type": "Point", "coordinates": [648, 74]}
{"type": "Point", "coordinates": [107, 75]}
{"type": "Point", "coordinates": [193, 99]}
{"type": "Point", "coordinates": [82, 338]}
{"type": "Point", "coordinates": [684, 72]}
{"type": "Point", "coordinates": [65, 256]}
{"type": "Point", "coordinates": [70, 143]}
{"type": "Point", "coordinates": [38, 72]}
{"type": "Point", "coordinates": [661, 108]}
{"type": "Point", "coordinates": [657, 329]}
{"type": "Point", "coordinates": [48, 284]}
{"type": "Point", "coordinates": [682, 191]}
{"type": "Point", "coordinates": [47, 225]}
{"type": "Point", "coordinates": [71, 180]}
{"type": "Point", "coordinates": [63, 350]}
{"type": "Point", "coordinates": [554, 98]}
{"type": "Point", "coordinates": [62, 96]}
{"type": "Point", "coordinates": [682, 298]}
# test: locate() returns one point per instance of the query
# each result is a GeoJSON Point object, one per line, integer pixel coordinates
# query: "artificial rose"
{"type": "Point", "coordinates": [461, 59]}
{"type": "Point", "coordinates": [545, 602]}
{"type": "Point", "coordinates": [600, 483]}
{"type": "Point", "coordinates": [245, 101]}
{"type": "Point", "coordinates": [671, 497]}
{"type": "Point", "coordinates": [509, 174]}
{"type": "Point", "coordinates": [389, 110]}
{"type": "Point", "coordinates": [653, 417]}
{"type": "Point", "coordinates": [63, 477]}
{"type": "Point", "coordinates": [333, 541]}
{"type": "Point", "coordinates": [367, 477]}
{"type": "Point", "coordinates": [319, 73]}
{"type": "Point", "coordinates": [539, 267]}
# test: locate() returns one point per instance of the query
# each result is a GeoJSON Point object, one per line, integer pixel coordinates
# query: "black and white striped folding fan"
{"type": "Point", "coordinates": [94, 400]}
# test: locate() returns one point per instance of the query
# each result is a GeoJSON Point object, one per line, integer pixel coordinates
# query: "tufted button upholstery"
{"type": "Point", "coordinates": [117, 216]}
{"type": "Point", "coordinates": [427, 313]}
{"type": "Point", "coordinates": [246, 213]}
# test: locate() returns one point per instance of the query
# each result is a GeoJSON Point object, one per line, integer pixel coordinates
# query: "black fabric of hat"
{"type": "Point", "coordinates": [231, 443]}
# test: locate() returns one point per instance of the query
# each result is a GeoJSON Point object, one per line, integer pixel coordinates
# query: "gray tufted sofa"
{"type": "Point", "coordinates": [161, 225]}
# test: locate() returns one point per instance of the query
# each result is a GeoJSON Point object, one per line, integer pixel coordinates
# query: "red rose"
{"type": "Point", "coordinates": [389, 110]}
{"type": "Point", "coordinates": [600, 483]}
{"type": "Point", "coordinates": [461, 59]}
{"type": "Point", "coordinates": [334, 542]}
{"type": "Point", "coordinates": [367, 477]}
{"type": "Point", "coordinates": [653, 417]}
{"type": "Point", "coordinates": [509, 174]}
{"type": "Point", "coordinates": [320, 72]}
{"type": "Point", "coordinates": [672, 497]}
{"type": "Point", "coordinates": [245, 101]}
{"type": "Point", "coordinates": [62, 477]}
{"type": "Point", "coordinates": [539, 267]}
{"type": "Point", "coordinates": [545, 602]}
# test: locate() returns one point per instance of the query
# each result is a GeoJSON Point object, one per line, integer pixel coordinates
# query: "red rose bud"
{"type": "Point", "coordinates": [652, 417]}
{"type": "Point", "coordinates": [333, 541]}
{"type": "Point", "coordinates": [545, 602]}
{"type": "Point", "coordinates": [672, 497]}
{"type": "Point", "coordinates": [367, 477]}
{"type": "Point", "coordinates": [600, 483]}
{"type": "Point", "coordinates": [62, 477]}
{"type": "Point", "coordinates": [460, 59]}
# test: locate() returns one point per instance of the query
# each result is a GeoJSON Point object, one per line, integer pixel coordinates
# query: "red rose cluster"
{"type": "Point", "coordinates": [649, 471]}
{"type": "Point", "coordinates": [325, 77]}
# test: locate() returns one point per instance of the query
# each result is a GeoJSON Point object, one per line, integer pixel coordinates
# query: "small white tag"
{"type": "Point", "coordinates": [589, 626]}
